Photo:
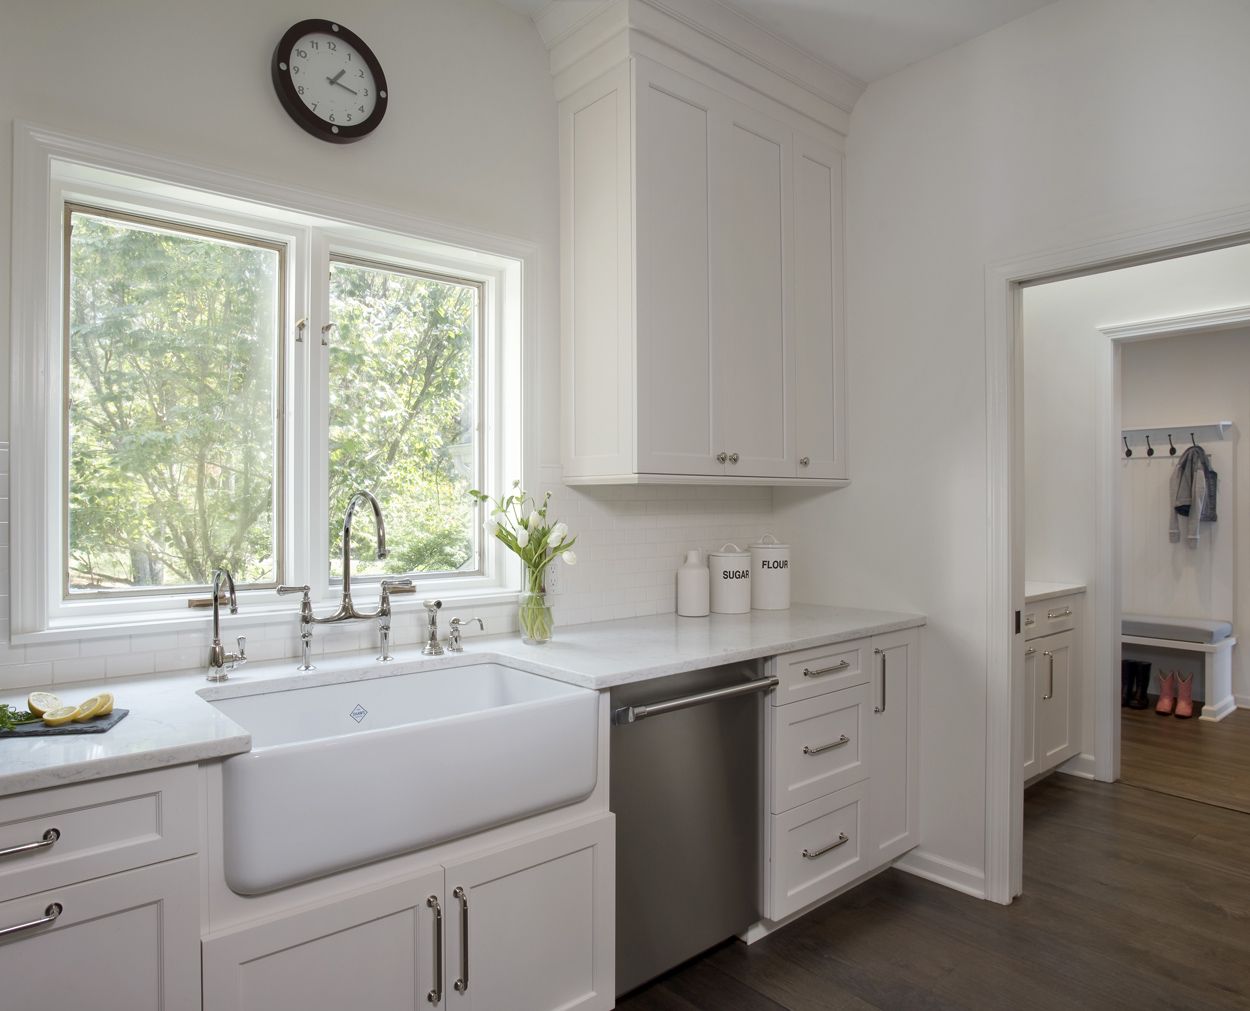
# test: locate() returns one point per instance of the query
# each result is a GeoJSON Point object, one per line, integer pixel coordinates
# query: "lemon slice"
{"type": "Point", "coordinates": [89, 709]}
{"type": "Point", "coordinates": [59, 716]}
{"type": "Point", "coordinates": [107, 707]}
{"type": "Point", "coordinates": [42, 702]}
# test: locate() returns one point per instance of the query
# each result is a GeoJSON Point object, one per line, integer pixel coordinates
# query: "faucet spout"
{"type": "Point", "coordinates": [222, 576]}
{"type": "Point", "coordinates": [360, 496]}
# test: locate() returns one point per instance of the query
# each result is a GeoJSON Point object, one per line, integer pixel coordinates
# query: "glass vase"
{"type": "Point", "coordinates": [534, 616]}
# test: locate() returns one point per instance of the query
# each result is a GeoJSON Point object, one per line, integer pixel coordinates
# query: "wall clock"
{"type": "Point", "coordinates": [329, 81]}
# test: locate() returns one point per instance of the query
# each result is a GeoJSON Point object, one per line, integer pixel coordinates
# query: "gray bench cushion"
{"type": "Point", "coordinates": [1149, 626]}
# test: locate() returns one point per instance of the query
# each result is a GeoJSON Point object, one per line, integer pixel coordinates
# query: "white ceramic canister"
{"type": "Point", "coordinates": [693, 590]}
{"type": "Point", "coordinates": [731, 579]}
{"type": "Point", "coordinates": [770, 574]}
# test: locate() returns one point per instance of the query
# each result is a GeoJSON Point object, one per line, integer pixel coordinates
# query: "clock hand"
{"type": "Point", "coordinates": [343, 86]}
{"type": "Point", "coordinates": [335, 78]}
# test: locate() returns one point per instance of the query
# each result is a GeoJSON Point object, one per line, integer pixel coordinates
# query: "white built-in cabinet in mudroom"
{"type": "Point", "coordinates": [702, 325]}
{"type": "Point", "coordinates": [1052, 688]}
{"type": "Point", "coordinates": [842, 740]}
{"type": "Point", "coordinates": [528, 927]}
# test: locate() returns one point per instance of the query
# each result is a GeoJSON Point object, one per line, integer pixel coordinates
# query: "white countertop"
{"type": "Point", "coordinates": [171, 723]}
{"type": "Point", "coordinates": [1035, 590]}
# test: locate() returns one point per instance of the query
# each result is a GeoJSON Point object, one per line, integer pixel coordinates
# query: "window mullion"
{"type": "Point", "coordinates": [316, 506]}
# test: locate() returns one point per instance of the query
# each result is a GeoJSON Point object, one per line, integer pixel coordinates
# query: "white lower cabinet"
{"type": "Point", "coordinates": [1052, 684]}
{"type": "Point", "coordinates": [842, 750]}
{"type": "Point", "coordinates": [125, 942]}
{"type": "Point", "coordinates": [528, 928]}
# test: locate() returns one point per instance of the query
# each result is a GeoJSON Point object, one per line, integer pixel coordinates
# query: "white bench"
{"type": "Point", "coordinates": [1212, 639]}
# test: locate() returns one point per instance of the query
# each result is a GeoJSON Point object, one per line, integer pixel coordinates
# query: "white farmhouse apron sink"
{"type": "Point", "coordinates": [346, 773]}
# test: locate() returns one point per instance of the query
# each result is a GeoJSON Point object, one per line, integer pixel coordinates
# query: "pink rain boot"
{"type": "Point", "coordinates": [1167, 692]}
{"type": "Point", "coordinates": [1184, 696]}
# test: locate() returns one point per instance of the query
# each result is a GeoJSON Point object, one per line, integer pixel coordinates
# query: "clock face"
{"type": "Point", "coordinates": [329, 81]}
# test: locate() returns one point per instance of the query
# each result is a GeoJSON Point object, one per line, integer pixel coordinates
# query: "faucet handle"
{"type": "Point", "coordinates": [284, 590]}
{"type": "Point", "coordinates": [398, 586]}
{"type": "Point", "coordinates": [458, 622]}
{"type": "Point", "coordinates": [242, 641]}
{"type": "Point", "coordinates": [235, 659]}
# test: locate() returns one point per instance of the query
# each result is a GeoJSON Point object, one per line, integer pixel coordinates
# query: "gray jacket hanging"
{"type": "Point", "coordinates": [1193, 490]}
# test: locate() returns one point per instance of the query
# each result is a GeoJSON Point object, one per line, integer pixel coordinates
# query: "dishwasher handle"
{"type": "Point", "coordinates": [632, 714]}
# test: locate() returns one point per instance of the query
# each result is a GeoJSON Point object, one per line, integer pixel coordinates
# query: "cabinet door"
{"type": "Point", "coordinates": [677, 432]}
{"type": "Point", "coordinates": [819, 344]}
{"type": "Point", "coordinates": [530, 928]}
{"type": "Point", "coordinates": [893, 738]}
{"type": "Point", "coordinates": [1029, 722]}
{"type": "Point", "coordinates": [752, 208]}
{"type": "Point", "coordinates": [1053, 695]}
{"type": "Point", "coordinates": [126, 942]}
{"type": "Point", "coordinates": [374, 950]}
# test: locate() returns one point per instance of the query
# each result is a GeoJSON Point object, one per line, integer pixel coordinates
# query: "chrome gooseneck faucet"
{"type": "Point", "coordinates": [221, 663]}
{"type": "Point", "coordinates": [347, 609]}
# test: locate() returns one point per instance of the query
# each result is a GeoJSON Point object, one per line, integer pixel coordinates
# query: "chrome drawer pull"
{"type": "Point", "coordinates": [826, 670]}
{"type": "Point", "coordinates": [1052, 615]}
{"type": "Point", "coordinates": [843, 839]}
{"type": "Point", "coordinates": [1050, 693]}
{"type": "Point", "coordinates": [462, 984]}
{"type": "Point", "coordinates": [822, 748]}
{"type": "Point", "coordinates": [49, 916]}
{"type": "Point", "coordinates": [49, 837]}
{"type": "Point", "coordinates": [436, 995]}
{"type": "Point", "coordinates": [881, 708]}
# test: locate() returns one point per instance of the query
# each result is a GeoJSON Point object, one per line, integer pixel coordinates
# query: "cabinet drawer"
{"type": "Point", "coordinates": [816, 849]}
{"type": "Point", "coordinates": [1046, 617]}
{"type": "Point", "coordinates": [818, 746]}
{"type": "Point", "coordinates": [126, 942]}
{"type": "Point", "coordinates": [100, 827]}
{"type": "Point", "coordinates": [810, 672]}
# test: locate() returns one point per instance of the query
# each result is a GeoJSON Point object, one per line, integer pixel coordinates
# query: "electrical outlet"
{"type": "Point", "coordinates": [553, 579]}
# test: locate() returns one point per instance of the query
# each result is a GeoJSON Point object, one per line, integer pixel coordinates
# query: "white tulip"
{"type": "Point", "coordinates": [558, 532]}
{"type": "Point", "coordinates": [534, 520]}
{"type": "Point", "coordinates": [491, 528]}
{"type": "Point", "coordinates": [522, 537]}
{"type": "Point", "coordinates": [570, 558]}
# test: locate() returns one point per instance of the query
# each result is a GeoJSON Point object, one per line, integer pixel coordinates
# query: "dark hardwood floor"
{"type": "Point", "coordinates": [1207, 762]}
{"type": "Point", "coordinates": [1132, 899]}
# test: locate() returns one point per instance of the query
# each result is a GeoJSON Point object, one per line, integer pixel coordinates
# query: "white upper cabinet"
{"type": "Point", "coordinates": [702, 286]}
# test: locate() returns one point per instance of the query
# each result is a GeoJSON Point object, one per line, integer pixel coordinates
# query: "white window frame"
{"type": "Point", "coordinates": [50, 169]}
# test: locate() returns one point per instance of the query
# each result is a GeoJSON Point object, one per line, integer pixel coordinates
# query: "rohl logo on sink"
{"type": "Point", "coordinates": [359, 713]}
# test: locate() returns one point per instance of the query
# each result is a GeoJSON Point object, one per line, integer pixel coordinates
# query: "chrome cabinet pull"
{"type": "Point", "coordinates": [881, 708]}
{"type": "Point", "coordinates": [462, 984]}
{"type": "Point", "coordinates": [632, 714]}
{"type": "Point", "coordinates": [1052, 615]}
{"type": "Point", "coordinates": [822, 671]}
{"type": "Point", "coordinates": [733, 457]}
{"type": "Point", "coordinates": [1030, 651]}
{"type": "Point", "coordinates": [722, 457]}
{"type": "Point", "coordinates": [49, 837]}
{"type": "Point", "coordinates": [804, 461]}
{"type": "Point", "coordinates": [436, 995]}
{"type": "Point", "coordinates": [1050, 692]}
{"type": "Point", "coordinates": [842, 840]}
{"type": "Point", "coordinates": [49, 916]}
{"type": "Point", "coordinates": [820, 749]}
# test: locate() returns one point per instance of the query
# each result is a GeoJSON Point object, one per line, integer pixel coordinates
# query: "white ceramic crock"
{"type": "Point", "coordinates": [770, 574]}
{"type": "Point", "coordinates": [730, 569]}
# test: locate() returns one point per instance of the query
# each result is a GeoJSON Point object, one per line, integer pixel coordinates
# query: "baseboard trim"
{"type": "Point", "coordinates": [1243, 701]}
{"type": "Point", "coordinates": [1081, 766]}
{"type": "Point", "coordinates": [1214, 712]}
{"type": "Point", "coordinates": [931, 867]}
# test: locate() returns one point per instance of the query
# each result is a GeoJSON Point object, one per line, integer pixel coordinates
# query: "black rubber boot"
{"type": "Point", "coordinates": [1128, 671]}
{"type": "Point", "coordinates": [1141, 685]}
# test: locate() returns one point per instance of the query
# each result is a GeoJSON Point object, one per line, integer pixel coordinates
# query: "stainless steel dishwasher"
{"type": "Point", "coordinates": [686, 779]}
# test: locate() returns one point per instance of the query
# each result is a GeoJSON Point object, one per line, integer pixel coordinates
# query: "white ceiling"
{"type": "Point", "coordinates": [868, 39]}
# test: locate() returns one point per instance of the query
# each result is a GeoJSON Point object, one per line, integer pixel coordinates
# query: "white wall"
{"type": "Point", "coordinates": [469, 139]}
{"type": "Point", "coordinates": [1202, 377]}
{"type": "Point", "coordinates": [1064, 360]}
{"type": "Point", "coordinates": [1084, 120]}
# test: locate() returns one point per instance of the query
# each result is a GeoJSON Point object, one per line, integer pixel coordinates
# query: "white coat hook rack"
{"type": "Point", "coordinates": [1145, 443]}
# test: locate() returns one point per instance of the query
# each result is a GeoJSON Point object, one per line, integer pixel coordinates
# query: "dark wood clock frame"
{"type": "Point", "coordinates": [294, 105]}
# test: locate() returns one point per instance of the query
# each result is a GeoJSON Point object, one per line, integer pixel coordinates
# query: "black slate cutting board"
{"type": "Point", "coordinates": [99, 725]}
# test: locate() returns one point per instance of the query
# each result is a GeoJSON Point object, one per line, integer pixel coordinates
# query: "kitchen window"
{"type": "Point", "coordinates": [205, 373]}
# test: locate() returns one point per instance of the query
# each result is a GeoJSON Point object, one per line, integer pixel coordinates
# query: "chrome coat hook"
{"type": "Point", "coordinates": [1127, 451]}
{"type": "Point", "coordinates": [1191, 439]}
{"type": "Point", "coordinates": [1171, 448]}
{"type": "Point", "coordinates": [1150, 450]}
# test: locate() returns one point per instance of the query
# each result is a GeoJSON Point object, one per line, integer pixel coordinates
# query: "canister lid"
{"type": "Point", "coordinates": [769, 541]}
{"type": "Point", "coordinates": [736, 551]}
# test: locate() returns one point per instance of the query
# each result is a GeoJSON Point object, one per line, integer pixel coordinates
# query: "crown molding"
{"type": "Point", "coordinates": [712, 34]}
{"type": "Point", "coordinates": [1173, 326]}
